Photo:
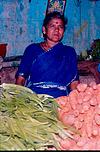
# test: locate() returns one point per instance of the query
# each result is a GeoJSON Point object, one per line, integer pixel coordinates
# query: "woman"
{"type": "Point", "coordinates": [49, 67]}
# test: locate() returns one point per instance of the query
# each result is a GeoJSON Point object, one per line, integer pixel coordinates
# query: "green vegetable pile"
{"type": "Point", "coordinates": [28, 121]}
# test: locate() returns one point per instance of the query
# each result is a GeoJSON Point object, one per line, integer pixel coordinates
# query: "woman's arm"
{"type": "Point", "coordinates": [74, 69]}
{"type": "Point", "coordinates": [20, 80]}
{"type": "Point", "coordinates": [25, 65]}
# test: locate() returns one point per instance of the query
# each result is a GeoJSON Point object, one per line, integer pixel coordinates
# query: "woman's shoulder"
{"type": "Point", "coordinates": [32, 45]}
{"type": "Point", "coordinates": [32, 48]}
{"type": "Point", "coordinates": [69, 49]}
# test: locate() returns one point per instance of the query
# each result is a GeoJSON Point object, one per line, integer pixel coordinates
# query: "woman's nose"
{"type": "Point", "coordinates": [56, 28]}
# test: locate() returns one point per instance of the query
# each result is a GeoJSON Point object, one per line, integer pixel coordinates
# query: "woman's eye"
{"type": "Point", "coordinates": [54, 27]}
{"type": "Point", "coordinates": [51, 26]}
{"type": "Point", "coordinates": [61, 27]}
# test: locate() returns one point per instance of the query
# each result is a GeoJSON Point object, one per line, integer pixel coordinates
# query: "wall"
{"type": "Point", "coordinates": [21, 23]}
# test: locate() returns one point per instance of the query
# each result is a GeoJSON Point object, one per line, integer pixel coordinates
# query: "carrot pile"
{"type": "Point", "coordinates": [81, 109]}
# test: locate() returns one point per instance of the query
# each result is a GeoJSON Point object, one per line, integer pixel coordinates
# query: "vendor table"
{"type": "Point", "coordinates": [89, 67]}
{"type": "Point", "coordinates": [9, 66]}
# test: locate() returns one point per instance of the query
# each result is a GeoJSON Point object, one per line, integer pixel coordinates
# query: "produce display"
{"type": "Point", "coordinates": [81, 109]}
{"type": "Point", "coordinates": [30, 121]}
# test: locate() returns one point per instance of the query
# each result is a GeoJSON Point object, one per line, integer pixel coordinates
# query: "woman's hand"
{"type": "Point", "coordinates": [74, 84]}
{"type": "Point", "coordinates": [20, 80]}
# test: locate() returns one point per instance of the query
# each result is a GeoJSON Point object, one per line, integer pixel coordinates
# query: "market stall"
{"type": "Point", "coordinates": [39, 122]}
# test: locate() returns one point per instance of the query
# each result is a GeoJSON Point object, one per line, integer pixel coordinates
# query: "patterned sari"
{"type": "Point", "coordinates": [49, 72]}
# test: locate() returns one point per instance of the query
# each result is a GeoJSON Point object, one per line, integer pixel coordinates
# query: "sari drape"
{"type": "Point", "coordinates": [49, 72]}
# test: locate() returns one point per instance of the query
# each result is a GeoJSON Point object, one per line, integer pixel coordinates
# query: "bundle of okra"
{"type": "Point", "coordinates": [28, 121]}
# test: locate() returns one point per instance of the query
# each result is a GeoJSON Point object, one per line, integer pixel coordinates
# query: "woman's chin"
{"type": "Point", "coordinates": [56, 39]}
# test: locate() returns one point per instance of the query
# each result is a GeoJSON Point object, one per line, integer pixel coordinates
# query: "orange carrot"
{"type": "Point", "coordinates": [68, 119]}
{"type": "Point", "coordinates": [93, 101]}
{"type": "Point", "coordinates": [97, 119]}
{"type": "Point", "coordinates": [81, 87]}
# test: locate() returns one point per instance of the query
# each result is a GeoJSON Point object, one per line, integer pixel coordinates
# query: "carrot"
{"type": "Point", "coordinates": [97, 119]}
{"type": "Point", "coordinates": [82, 111]}
{"type": "Point", "coordinates": [93, 85]}
{"type": "Point", "coordinates": [80, 97]}
{"type": "Point", "coordinates": [82, 141]}
{"type": "Point", "coordinates": [93, 101]}
{"type": "Point", "coordinates": [89, 145]}
{"type": "Point", "coordinates": [85, 106]}
{"type": "Point", "coordinates": [97, 110]}
{"type": "Point", "coordinates": [87, 97]}
{"type": "Point", "coordinates": [98, 98]}
{"type": "Point", "coordinates": [76, 112]}
{"type": "Point", "coordinates": [89, 129]}
{"type": "Point", "coordinates": [98, 87]}
{"type": "Point", "coordinates": [81, 117]}
{"type": "Point", "coordinates": [68, 119]}
{"type": "Point", "coordinates": [60, 114]}
{"type": "Point", "coordinates": [61, 101]}
{"type": "Point", "coordinates": [67, 107]}
{"type": "Point", "coordinates": [97, 143]}
{"type": "Point", "coordinates": [81, 87]}
{"type": "Point", "coordinates": [95, 130]}
{"type": "Point", "coordinates": [89, 90]}
{"type": "Point", "coordinates": [73, 99]}
{"type": "Point", "coordinates": [77, 124]}
{"type": "Point", "coordinates": [67, 144]}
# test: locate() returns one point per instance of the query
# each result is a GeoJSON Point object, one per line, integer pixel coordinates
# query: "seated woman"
{"type": "Point", "coordinates": [49, 67]}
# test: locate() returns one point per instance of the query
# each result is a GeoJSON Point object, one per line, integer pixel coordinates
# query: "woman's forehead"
{"type": "Point", "coordinates": [56, 20]}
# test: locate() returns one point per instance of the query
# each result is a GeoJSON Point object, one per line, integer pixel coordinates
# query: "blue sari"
{"type": "Point", "coordinates": [49, 72]}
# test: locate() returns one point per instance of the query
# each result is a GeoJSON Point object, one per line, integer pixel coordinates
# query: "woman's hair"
{"type": "Point", "coordinates": [53, 15]}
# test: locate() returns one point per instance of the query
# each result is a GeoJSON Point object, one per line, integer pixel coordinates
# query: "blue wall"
{"type": "Point", "coordinates": [21, 23]}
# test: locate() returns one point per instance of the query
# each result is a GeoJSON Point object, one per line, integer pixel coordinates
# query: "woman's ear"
{"type": "Point", "coordinates": [43, 30]}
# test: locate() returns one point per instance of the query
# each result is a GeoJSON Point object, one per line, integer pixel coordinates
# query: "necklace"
{"type": "Point", "coordinates": [45, 46]}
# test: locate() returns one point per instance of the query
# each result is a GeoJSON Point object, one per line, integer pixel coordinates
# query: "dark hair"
{"type": "Point", "coordinates": [52, 15]}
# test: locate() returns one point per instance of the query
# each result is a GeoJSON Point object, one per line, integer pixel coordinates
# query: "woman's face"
{"type": "Point", "coordinates": [54, 30]}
